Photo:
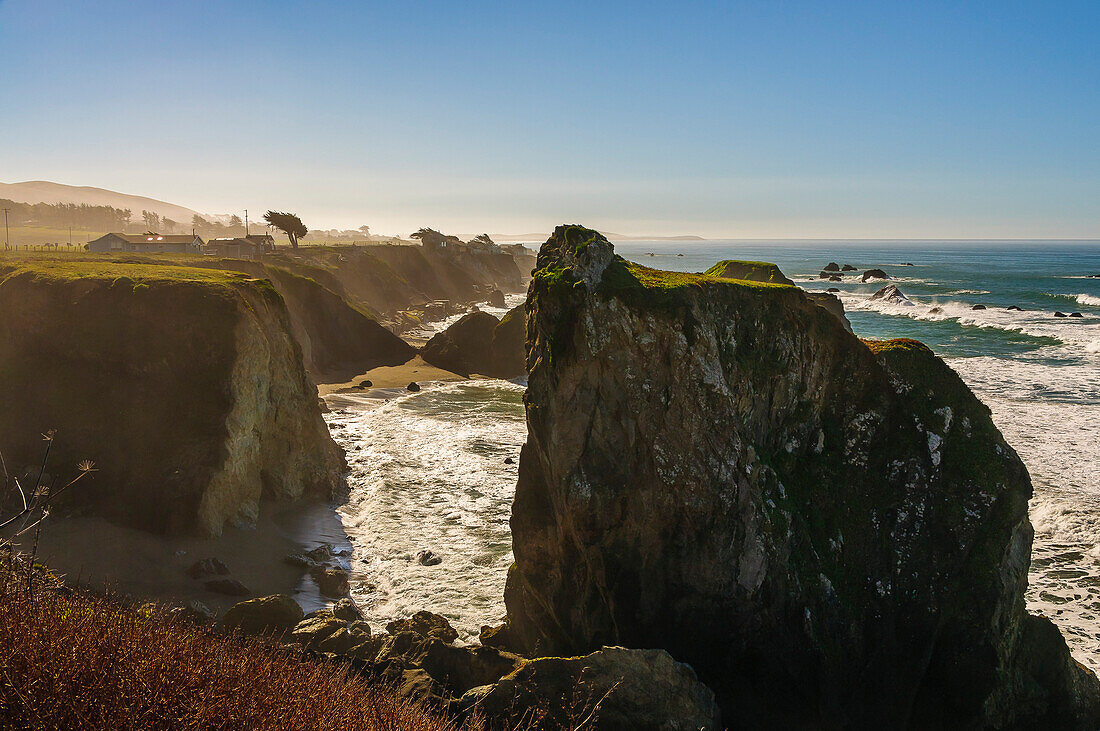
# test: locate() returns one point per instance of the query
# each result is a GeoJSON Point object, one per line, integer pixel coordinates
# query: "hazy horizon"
{"type": "Point", "coordinates": [734, 122]}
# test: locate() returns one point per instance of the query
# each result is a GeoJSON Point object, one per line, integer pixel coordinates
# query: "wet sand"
{"type": "Point", "coordinates": [95, 554]}
{"type": "Point", "coordinates": [400, 376]}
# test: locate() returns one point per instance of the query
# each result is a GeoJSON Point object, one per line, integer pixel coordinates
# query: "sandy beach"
{"type": "Point", "coordinates": [417, 370]}
{"type": "Point", "coordinates": [95, 554]}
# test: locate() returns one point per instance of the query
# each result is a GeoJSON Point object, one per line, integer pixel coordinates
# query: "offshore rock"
{"type": "Point", "coordinates": [509, 346]}
{"type": "Point", "coordinates": [463, 347]}
{"type": "Point", "coordinates": [833, 533]}
{"type": "Point", "coordinates": [891, 293]}
{"type": "Point", "coordinates": [479, 343]}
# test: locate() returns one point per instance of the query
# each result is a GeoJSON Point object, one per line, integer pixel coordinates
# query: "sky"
{"type": "Point", "coordinates": [720, 119]}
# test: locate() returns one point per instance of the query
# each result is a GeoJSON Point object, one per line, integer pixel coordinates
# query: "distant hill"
{"type": "Point", "coordinates": [41, 191]}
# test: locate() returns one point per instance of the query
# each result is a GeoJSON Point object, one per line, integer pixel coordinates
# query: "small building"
{"type": "Point", "coordinates": [244, 247]}
{"type": "Point", "coordinates": [149, 242]}
{"type": "Point", "coordinates": [264, 240]}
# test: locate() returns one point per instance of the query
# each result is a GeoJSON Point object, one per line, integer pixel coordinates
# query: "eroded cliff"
{"type": "Point", "coordinates": [833, 533]}
{"type": "Point", "coordinates": [185, 386]}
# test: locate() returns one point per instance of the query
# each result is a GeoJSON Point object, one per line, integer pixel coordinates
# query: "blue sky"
{"type": "Point", "coordinates": [733, 119]}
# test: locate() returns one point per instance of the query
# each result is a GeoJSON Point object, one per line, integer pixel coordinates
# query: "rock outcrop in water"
{"type": "Point", "coordinates": [184, 386]}
{"type": "Point", "coordinates": [479, 343]}
{"type": "Point", "coordinates": [832, 533]}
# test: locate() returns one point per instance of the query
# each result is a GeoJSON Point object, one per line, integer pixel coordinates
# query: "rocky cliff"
{"type": "Point", "coordinates": [337, 340]}
{"type": "Point", "coordinates": [185, 386]}
{"type": "Point", "coordinates": [832, 533]}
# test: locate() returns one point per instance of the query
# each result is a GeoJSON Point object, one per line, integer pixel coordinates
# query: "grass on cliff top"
{"type": "Point", "coordinates": [58, 269]}
{"type": "Point", "coordinates": [77, 662]}
{"type": "Point", "coordinates": [766, 270]}
{"type": "Point", "coordinates": [622, 275]}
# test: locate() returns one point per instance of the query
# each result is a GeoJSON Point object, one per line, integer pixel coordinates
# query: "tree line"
{"type": "Point", "coordinates": [61, 215]}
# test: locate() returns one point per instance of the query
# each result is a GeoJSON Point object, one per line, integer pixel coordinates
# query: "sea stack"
{"type": "Point", "coordinates": [832, 533]}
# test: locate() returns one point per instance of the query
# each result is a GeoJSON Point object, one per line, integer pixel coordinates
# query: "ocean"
{"type": "Point", "coordinates": [428, 469]}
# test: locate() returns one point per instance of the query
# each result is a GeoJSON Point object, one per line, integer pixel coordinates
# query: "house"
{"type": "Point", "coordinates": [147, 243]}
{"type": "Point", "coordinates": [244, 247]}
{"type": "Point", "coordinates": [264, 240]}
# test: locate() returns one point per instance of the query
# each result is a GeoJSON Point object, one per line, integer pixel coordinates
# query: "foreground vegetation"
{"type": "Point", "coordinates": [72, 661]}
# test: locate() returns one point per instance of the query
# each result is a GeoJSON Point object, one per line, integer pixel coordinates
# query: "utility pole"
{"type": "Point", "coordinates": [7, 238]}
{"type": "Point", "coordinates": [246, 223]}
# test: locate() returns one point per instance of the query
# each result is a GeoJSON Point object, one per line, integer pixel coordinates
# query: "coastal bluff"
{"type": "Point", "coordinates": [832, 532]}
{"type": "Point", "coordinates": [184, 385]}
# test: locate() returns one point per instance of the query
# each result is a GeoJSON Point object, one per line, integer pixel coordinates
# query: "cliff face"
{"type": "Point", "coordinates": [185, 386]}
{"type": "Point", "coordinates": [433, 275]}
{"type": "Point", "coordinates": [336, 339]}
{"type": "Point", "coordinates": [833, 533]}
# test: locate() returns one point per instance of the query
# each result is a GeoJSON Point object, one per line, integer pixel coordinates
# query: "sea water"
{"type": "Point", "coordinates": [428, 469]}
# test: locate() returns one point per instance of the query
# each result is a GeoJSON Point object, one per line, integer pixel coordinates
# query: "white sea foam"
{"type": "Point", "coordinates": [428, 473]}
{"type": "Point", "coordinates": [431, 328]}
{"type": "Point", "coordinates": [1083, 332]}
{"type": "Point", "coordinates": [1088, 299]}
{"type": "Point", "coordinates": [1051, 415]}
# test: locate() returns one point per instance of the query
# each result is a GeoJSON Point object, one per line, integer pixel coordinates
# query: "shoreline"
{"type": "Point", "coordinates": [94, 554]}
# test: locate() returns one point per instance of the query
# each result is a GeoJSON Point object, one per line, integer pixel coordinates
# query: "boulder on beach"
{"type": "Point", "coordinates": [1014, 308]}
{"type": "Point", "coordinates": [978, 307]}
{"type": "Point", "coordinates": [1060, 314]}
{"type": "Point", "coordinates": [832, 290]}
{"type": "Point", "coordinates": [194, 612]}
{"type": "Point", "coordinates": [207, 567]}
{"type": "Point", "coordinates": [345, 638]}
{"type": "Point", "coordinates": [346, 610]}
{"type": "Point", "coordinates": [1075, 314]}
{"type": "Point", "coordinates": [832, 267]}
{"type": "Point", "coordinates": [332, 581]}
{"type": "Point", "coordinates": [874, 274]}
{"type": "Point", "coordinates": [413, 386]}
{"type": "Point", "coordinates": [848, 268]}
{"type": "Point", "coordinates": [425, 624]}
{"type": "Point", "coordinates": [311, 632]}
{"type": "Point", "coordinates": [264, 615]}
{"type": "Point", "coordinates": [229, 587]}
{"type": "Point", "coordinates": [627, 690]}
{"type": "Point", "coordinates": [832, 532]}
{"type": "Point", "coordinates": [496, 299]}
